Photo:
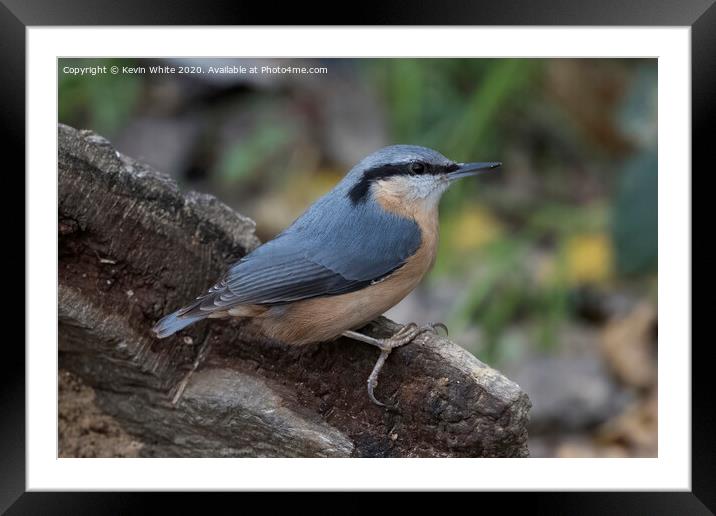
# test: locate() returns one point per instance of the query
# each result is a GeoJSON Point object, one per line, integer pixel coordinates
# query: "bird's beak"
{"type": "Point", "coordinates": [472, 169]}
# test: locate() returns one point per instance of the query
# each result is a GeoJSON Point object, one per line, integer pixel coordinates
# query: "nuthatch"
{"type": "Point", "coordinates": [355, 253]}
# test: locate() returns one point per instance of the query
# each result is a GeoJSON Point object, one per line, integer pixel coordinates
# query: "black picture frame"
{"type": "Point", "coordinates": [17, 15]}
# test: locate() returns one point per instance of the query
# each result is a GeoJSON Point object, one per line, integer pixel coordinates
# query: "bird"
{"type": "Point", "coordinates": [352, 255]}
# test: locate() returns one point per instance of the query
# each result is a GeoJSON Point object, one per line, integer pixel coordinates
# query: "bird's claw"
{"type": "Point", "coordinates": [371, 386]}
{"type": "Point", "coordinates": [402, 332]}
{"type": "Point", "coordinates": [433, 326]}
{"type": "Point", "coordinates": [403, 336]}
{"type": "Point", "coordinates": [373, 378]}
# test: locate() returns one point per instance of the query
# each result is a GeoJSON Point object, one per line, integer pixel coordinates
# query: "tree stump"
{"type": "Point", "coordinates": [132, 248]}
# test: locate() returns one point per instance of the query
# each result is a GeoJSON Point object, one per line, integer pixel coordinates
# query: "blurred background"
{"type": "Point", "coordinates": [547, 269]}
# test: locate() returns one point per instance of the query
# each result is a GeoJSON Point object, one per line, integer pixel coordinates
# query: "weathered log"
{"type": "Point", "coordinates": [132, 247]}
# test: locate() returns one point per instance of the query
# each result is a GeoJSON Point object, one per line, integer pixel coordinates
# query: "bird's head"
{"type": "Point", "coordinates": [403, 178]}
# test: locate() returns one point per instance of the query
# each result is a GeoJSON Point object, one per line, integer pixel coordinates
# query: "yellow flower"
{"type": "Point", "coordinates": [473, 228]}
{"type": "Point", "coordinates": [588, 258]}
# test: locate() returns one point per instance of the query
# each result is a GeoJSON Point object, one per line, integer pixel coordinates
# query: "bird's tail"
{"type": "Point", "coordinates": [174, 322]}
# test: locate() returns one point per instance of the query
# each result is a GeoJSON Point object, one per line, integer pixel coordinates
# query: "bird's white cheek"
{"type": "Point", "coordinates": [413, 190]}
{"type": "Point", "coordinates": [433, 191]}
{"type": "Point", "coordinates": [426, 188]}
{"type": "Point", "coordinates": [440, 188]}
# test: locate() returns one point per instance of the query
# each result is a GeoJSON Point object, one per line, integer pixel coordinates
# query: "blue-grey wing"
{"type": "Point", "coordinates": [332, 249]}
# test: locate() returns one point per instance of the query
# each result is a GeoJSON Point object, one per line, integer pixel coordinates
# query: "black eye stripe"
{"type": "Point", "coordinates": [417, 168]}
{"type": "Point", "coordinates": [359, 192]}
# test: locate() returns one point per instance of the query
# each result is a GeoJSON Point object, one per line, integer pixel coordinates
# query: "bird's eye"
{"type": "Point", "coordinates": [417, 168]}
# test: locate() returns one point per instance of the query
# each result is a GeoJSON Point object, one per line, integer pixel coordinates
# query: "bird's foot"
{"type": "Point", "coordinates": [181, 386]}
{"type": "Point", "coordinates": [405, 335]}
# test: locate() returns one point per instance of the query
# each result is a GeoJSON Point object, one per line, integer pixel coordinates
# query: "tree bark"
{"type": "Point", "coordinates": [132, 248]}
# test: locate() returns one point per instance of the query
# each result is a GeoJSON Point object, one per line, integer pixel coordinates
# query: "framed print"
{"type": "Point", "coordinates": [229, 210]}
